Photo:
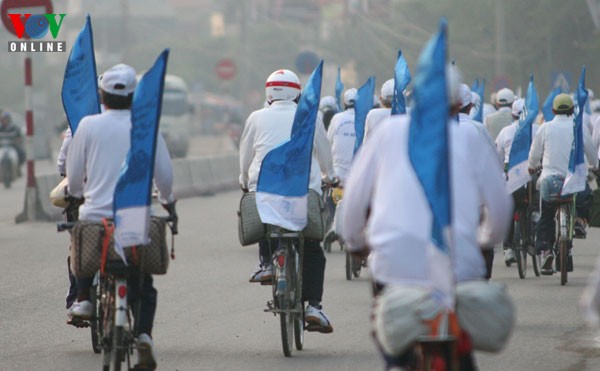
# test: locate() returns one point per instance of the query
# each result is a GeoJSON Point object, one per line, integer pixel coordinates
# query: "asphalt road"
{"type": "Point", "coordinates": [209, 317]}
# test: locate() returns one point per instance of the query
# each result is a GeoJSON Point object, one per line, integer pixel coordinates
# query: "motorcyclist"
{"type": "Point", "coordinates": [10, 135]}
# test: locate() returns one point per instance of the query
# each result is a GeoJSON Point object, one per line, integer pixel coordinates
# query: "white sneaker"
{"type": "Point", "coordinates": [509, 256]}
{"type": "Point", "coordinates": [262, 274]}
{"type": "Point", "coordinates": [317, 320]}
{"type": "Point", "coordinates": [145, 355]}
{"type": "Point", "coordinates": [82, 309]}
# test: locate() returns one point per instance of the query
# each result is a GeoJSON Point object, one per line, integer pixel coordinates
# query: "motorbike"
{"type": "Point", "coordinates": [9, 163]}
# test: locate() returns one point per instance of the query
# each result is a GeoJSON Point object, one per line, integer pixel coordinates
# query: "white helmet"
{"type": "Point", "coordinates": [350, 96]}
{"type": "Point", "coordinates": [387, 91]}
{"type": "Point", "coordinates": [328, 102]}
{"type": "Point", "coordinates": [282, 85]}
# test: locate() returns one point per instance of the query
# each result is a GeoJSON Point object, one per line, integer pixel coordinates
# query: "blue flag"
{"type": "Point", "coordinates": [80, 83]}
{"type": "Point", "coordinates": [362, 105]}
{"type": "Point", "coordinates": [401, 80]}
{"type": "Point", "coordinates": [547, 106]}
{"type": "Point", "coordinates": [429, 155]}
{"type": "Point", "coordinates": [132, 197]}
{"type": "Point", "coordinates": [339, 88]}
{"type": "Point", "coordinates": [282, 188]}
{"type": "Point", "coordinates": [518, 174]}
{"type": "Point", "coordinates": [479, 88]}
{"type": "Point", "coordinates": [576, 178]}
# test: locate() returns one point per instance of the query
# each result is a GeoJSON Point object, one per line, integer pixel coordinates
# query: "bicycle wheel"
{"type": "Point", "coordinates": [284, 300]}
{"type": "Point", "coordinates": [118, 344]}
{"type": "Point", "coordinates": [356, 266]}
{"type": "Point", "coordinates": [299, 304]}
{"type": "Point", "coordinates": [535, 261]}
{"type": "Point", "coordinates": [520, 248]}
{"type": "Point", "coordinates": [564, 252]}
{"type": "Point", "coordinates": [96, 329]}
{"type": "Point", "coordinates": [348, 266]}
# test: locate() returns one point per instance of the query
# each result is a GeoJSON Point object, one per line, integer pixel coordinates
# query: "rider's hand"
{"type": "Point", "coordinates": [333, 183]}
{"type": "Point", "coordinates": [244, 188]}
{"type": "Point", "coordinates": [531, 171]}
{"type": "Point", "coordinates": [170, 207]}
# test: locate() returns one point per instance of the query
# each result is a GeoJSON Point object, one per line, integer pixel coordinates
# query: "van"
{"type": "Point", "coordinates": [176, 116]}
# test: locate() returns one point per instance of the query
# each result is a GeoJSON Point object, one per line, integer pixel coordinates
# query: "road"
{"type": "Point", "coordinates": [209, 317]}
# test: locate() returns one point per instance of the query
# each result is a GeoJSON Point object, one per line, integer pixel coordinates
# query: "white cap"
{"type": "Point", "coordinates": [465, 95]}
{"type": "Point", "coordinates": [350, 96]}
{"type": "Point", "coordinates": [505, 96]}
{"type": "Point", "coordinates": [475, 98]}
{"type": "Point", "coordinates": [387, 90]}
{"type": "Point", "coordinates": [327, 102]}
{"type": "Point", "coordinates": [517, 107]}
{"type": "Point", "coordinates": [118, 80]}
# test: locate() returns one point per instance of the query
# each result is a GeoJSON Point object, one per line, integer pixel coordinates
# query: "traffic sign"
{"type": "Point", "coordinates": [17, 6]}
{"type": "Point", "coordinates": [225, 69]}
{"type": "Point", "coordinates": [306, 62]}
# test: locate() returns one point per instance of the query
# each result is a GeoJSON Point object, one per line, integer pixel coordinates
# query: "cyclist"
{"type": "Point", "coordinates": [494, 122]}
{"type": "Point", "coordinates": [503, 146]}
{"type": "Point", "coordinates": [264, 130]}
{"type": "Point", "coordinates": [341, 135]}
{"type": "Point", "coordinates": [94, 161]}
{"type": "Point", "coordinates": [328, 108]}
{"type": "Point", "coordinates": [376, 115]}
{"type": "Point", "coordinates": [552, 147]}
{"type": "Point", "coordinates": [387, 213]}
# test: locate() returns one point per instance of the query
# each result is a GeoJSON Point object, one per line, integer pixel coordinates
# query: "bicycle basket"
{"type": "Point", "coordinates": [317, 217]}
{"type": "Point", "coordinates": [551, 188]}
{"type": "Point", "coordinates": [86, 249]}
{"type": "Point", "coordinates": [250, 228]}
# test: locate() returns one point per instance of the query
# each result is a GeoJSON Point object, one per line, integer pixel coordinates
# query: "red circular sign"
{"type": "Point", "coordinates": [225, 69]}
{"type": "Point", "coordinates": [8, 5]}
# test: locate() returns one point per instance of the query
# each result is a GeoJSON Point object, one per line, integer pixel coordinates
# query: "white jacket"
{"type": "Point", "coordinates": [374, 118]}
{"type": "Point", "coordinates": [552, 146]}
{"type": "Point", "coordinates": [269, 127]}
{"type": "Point", "coordinates": [383, 185]}
{"type": "Point", "coordinates": [342, 136]}
{"type": "Point", "coordinates": [507, 135]}
{"type": "Point", "coordinates": [95, 157]}
{"type": "Point", "coordinates": [494, 122]}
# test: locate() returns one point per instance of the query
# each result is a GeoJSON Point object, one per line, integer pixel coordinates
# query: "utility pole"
{"type": "Point", "coordinates": [499, 65]}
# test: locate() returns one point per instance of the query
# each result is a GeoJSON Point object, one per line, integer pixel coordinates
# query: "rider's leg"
{"type": "Point", "coordinates": [72, 293]}
{"type": "Point", "coordinates": [545, 228]}
{"type": "Point", "coordinates": [83, 288]}
{"type": "Point", "coordinates": [583, 206]}
{"type": "Point", "coordinates": [313, 276]}
{"type": "Point", "coordinates": [148, 295]}
{"type": "Point", "coordinates": [264, 252]}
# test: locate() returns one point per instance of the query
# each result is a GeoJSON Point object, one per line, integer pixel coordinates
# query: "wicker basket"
{"type": "Point", "coordinates": [317, 217]}
{"type": "Point", "coordinates": [250, 228]}
{"type": "Point", "coordinates": [86, 249]}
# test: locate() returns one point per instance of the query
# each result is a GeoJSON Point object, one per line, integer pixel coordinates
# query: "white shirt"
{"type": "Point", "coordinates": [466, 120]}
{"type": "Point", "coordinates": [384, 185]}
{"type": "Point", "coordinates": [596, 134]}
{"type": "Point", "coordinates": [552, 146]}
{"type": "Point", "coordinates": [95, 157]}
{"type": "Point", "coordinates": [61, 161]}
{"type": "Point", "coordinates": [269, 127]}
{"type": "Point", "coordinates": [505, 139]}
{"type": "Point", "coordinates": [496, 121]}
{"type": "Point", "coordinates": [374, 117]}
{"type": "Point", "coordinates": [342, 136]}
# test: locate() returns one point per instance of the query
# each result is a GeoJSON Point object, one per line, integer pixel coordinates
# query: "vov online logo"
{"type": "Point", "coordinates": [36, 26]}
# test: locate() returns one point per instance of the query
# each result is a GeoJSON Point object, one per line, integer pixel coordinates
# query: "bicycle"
{"type": "Point", "coordinates": [564, 223]}
{"type": "Point", "coordinates": [111, 329]}
{"type": "Point", "coordinates": [287, 286]}
{"type": "Point", "coordinates": [523, 238]}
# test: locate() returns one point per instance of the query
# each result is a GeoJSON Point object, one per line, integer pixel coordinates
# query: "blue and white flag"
{"type": "Point", "coordinates": [428, 152]}
{"type": "Point", "coordinates": [133, 193]}
{"type": "Point", "coordinates": [479, 88]}
{"type": "Point", "coordinates": [576, 178]}
{"type": "Point", "coordinates": [547, 106]}
{"type": "Point", "coordinates": [362, 105]}
{"type": "Point", "coordinates": [282, 188]}
{"type": "Point", "coordinates": [339, 88]}
{"type": "Point", "coordinates": [401, 80]}
{"type": "Point", "coordinates": [80, 83]}
{"type": "Point", "coordinates": [518, 172]}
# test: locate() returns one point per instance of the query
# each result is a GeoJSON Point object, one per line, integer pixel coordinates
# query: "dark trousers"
{"type": "Point", "coordinates": [313, 274]}
{"type": "Point", "coordinates": [140, 288]}
{"type": "Point", "coordinates": [546, 229]}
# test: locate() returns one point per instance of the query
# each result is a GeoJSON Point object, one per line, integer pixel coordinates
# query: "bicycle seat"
{"type": "Point", "coordinates": [275, 231]}
{"type": "Point", "coordinates": [118, 268]}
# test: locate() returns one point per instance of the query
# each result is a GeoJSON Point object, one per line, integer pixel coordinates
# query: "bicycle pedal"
{"type": "Point", "coordinates": [266, 283]}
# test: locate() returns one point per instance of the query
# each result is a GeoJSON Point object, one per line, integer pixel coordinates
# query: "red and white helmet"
{"type": "Point", "coordinates": [282, 85]}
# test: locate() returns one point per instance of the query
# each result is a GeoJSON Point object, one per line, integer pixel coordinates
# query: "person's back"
{"type": "Point", "coordinates": [342, 136]}
{"type": "Point", "coordinates": [496, 121]}
{"type": "Point", "coordinates": [557, 138]}
{"type": "Point", "coordinates": [377, 115]}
